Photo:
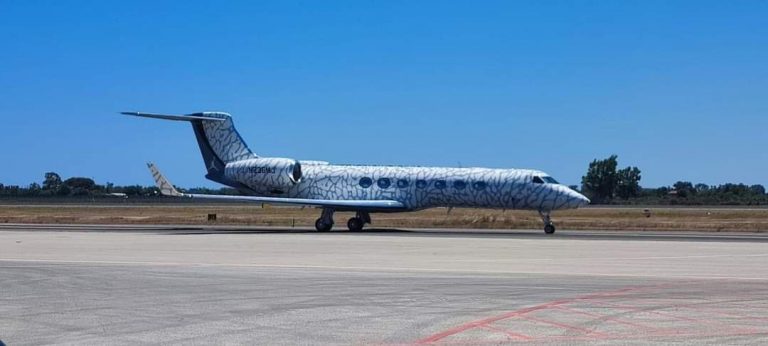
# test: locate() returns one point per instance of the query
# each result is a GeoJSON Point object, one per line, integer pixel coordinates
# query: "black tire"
{"type": "Point", "coordinates": [321, 226]}
{"type": "Point", "coordinates": [355, 224]}
{"type": "Point", "coordinates": [549, 229]}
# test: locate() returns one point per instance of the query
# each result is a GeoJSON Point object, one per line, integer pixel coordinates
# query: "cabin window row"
{"type": "Point", "coordinates": [366, 182]}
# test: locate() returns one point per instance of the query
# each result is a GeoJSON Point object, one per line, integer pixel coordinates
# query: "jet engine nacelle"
{"type": "Point", "coordinates": [268, 174]}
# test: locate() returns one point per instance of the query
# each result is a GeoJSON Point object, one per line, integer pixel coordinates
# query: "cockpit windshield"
{"type": "Point", "coordinates": [550, 180]}
{"type": "Point", "coordinates": [544, 179]}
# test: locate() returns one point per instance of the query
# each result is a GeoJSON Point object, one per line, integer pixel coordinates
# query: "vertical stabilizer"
{"type": "Point", "coordinates": [219, 141]}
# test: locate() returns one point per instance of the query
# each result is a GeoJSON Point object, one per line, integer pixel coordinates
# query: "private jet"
{"type": "Point", "coordinates": [362, 189]}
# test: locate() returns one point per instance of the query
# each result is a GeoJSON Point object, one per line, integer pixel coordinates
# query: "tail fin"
{"type": "Point", "coordinates": [219, 141]}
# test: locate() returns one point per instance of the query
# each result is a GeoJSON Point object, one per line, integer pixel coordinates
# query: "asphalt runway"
{"type": "Point", "coordinates": [79, 285]}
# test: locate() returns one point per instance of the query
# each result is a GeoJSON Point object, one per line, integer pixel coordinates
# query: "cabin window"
{"type": "Point", "coordinates": [537, 180]}
{"type": "Point", "coordinates": [459, 185]}
{"type": "Point", "coordinates": [402, 183]}
{"type": "Point", "coordinates": [421, 184]}
{"type": "Point", "coordinates": [479, 185]}
{"type": "Point", "coordinates": [384, 183]}
{"type": "Point", "coordinates": [550, 180]}
{"type": "Point", "coordinates": [440, 184]}
{"type": "Point", "coordinates": [366, 182]}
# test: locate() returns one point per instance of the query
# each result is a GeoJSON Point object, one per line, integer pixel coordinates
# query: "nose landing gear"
{"type": "Point", "coordinates": [549, 227]}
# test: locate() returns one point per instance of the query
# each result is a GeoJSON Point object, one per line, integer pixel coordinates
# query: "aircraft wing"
{"type": "Point", "coordinates": [167, 189]}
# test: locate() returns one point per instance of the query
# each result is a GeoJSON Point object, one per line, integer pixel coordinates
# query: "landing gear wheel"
{"type": "Point", "coordinates": [355, 224]}
{"type": "Point", "coordinates": [325, 222]}
{"type": "Point", "coordinates": [322, 226]}
{"type": "Point", "coordinates": [549, 227]}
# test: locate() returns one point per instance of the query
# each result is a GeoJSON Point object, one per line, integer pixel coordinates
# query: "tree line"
{"type": "Point", "coordinates": [604, 183]}
{"type": "Point", "coordinates": [54, 186]}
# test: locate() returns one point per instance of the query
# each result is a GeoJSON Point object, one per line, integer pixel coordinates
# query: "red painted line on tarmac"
{"type": "Point", "coordinates": [508, 333]}
{"type": "Point", "coordinates": [682, 318]}
{"type": "Point", "coordinates": [705, 306]}
{"type": "Point", "coordinates": [484, 322]}
{"type": "Point", "coordinates": [604, 317]}
{"type": "Point", "coordinates": [563, 325]}
{"type": "Point", "coordinates": [645, 338]}
{"type": "Point", "coordinates": [655, 312]}
{"type": "Point", "coordinates": [549, 305]}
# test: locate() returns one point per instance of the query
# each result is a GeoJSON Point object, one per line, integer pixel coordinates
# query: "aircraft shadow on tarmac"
{"type": "Point", "coordinates": [459, 233]}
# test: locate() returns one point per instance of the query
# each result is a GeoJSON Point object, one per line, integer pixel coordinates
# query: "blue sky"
{"type": "Point", "coordinates": [678, 88]}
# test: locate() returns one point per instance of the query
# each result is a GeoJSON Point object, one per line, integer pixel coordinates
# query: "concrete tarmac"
{"type": "Point", "coordinates": [77, 284]}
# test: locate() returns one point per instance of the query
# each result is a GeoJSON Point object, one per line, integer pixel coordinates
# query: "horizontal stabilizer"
{"type": "Point", "coordinates": [186, 117]}
{"type": "Point", "coordinates": [219, 141]}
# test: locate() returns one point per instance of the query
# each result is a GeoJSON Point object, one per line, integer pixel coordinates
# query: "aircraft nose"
{"type": "Point", "coordinates": [566, 198]}
{"type": "Point", "coordinates": [575, 200]}
{"type": "Point", "coordinates": [583, 200]}
{"type": "Point", "coordinates": [578, 200]}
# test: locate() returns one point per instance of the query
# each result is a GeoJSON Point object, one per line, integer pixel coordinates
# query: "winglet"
{"type": "Point", "coordinates": [165, 186]}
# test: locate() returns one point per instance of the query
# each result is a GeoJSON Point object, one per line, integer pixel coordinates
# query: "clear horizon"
{"type": "Point", "coordinates": [674, 88]}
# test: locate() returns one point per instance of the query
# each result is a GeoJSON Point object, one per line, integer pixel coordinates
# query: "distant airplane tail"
{"type": "Point", "coordinates": [162, 183]}
{"type": "Point", "coordinates": [219, 141]}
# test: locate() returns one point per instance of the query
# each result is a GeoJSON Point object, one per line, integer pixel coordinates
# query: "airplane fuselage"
{"type": "Point", "coordinates": [415, 187]}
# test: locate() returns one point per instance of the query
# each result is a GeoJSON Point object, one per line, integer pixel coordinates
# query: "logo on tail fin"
{"type": "Point", "coordinates": [212, 166]}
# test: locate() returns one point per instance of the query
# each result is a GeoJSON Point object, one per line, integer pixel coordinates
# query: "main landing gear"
{"type": "Point", "coordinates": [549, 227]}
{"type": "Point", "coordinates": [356, 223]}
{"type": "Point", "coordinates": [325, 222]}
